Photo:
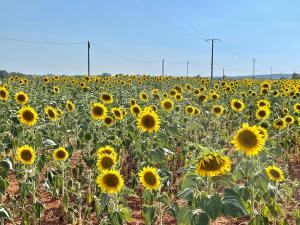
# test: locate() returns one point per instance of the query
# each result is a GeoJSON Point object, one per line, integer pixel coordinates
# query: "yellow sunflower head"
{"type": "Point", "coordinates": [21, 97]}
{"type": "Point", "coordinates": [70, 106]}
{"type": "Point", "coordinates": [4, 94]}
{"type": "Point", "coordinates": [217, 110]}
{"type": "Point", "coordinates": [109, 121]}
{"type": "Point", "coordinates": [189, 110]}
{"type": "Point", "coordinates": [297, 107]}
{"type": "Point", "coordinates": [213, 164]}
{"type": "Point", "coordinates": [279, 123]}
{"type": "Point", "coordinates": [149, 178]}
{"type": "Point", "coordinates": [274, 173]}
{"type": "Point", "coordinates": [262, 113]}
{"type": "Point", "coordinates": [263, 131]}
{"type": "Point", "coordinates": [98, 111]}
{"type": "Point", "coordinates": [106, 161]}
{"type": "Point", "coordinates": [26, 154]}
{"type": "Point", "coordinates": [237, 105]}
{"type": "Point", "coordinates": [107, 150]}
{"type": "Point", "coordinates": [178, 97]}
{"type": "Point", "coordinates": [56, 89]}
{"type": "Point", "coordinates": [110, 181]}
{"type": "Point", "coordinates": [289, 119]}
{"type": "Point", "coordinates": [248, 140]}
{"type": "Point", "coordinates": [263, 103]}
{"type": "Point", "coordinates": [117, 112]}
{"type": "Point", "coordinates": [132, 102]}
{"type": "Point", "coordinates": [167, 104]}
{"type": "Point", "coordinates": [27, 116]}
{"type": "Point", "coordinates": [60, 154]}
{"type": "Point", "coordinates": [144, 96]}
{"type": "Point", "coordinates": [51, 112]}
{"type": "Point", "coordinates": [148, 121]}
{"type": "Point", "coordinates": [135, 110]}
{"type": "Point", "coordinates": [107, 98]}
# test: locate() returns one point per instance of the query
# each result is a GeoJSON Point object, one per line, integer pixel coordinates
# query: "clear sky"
{"type": "Point", "coordinates": [150, 30]}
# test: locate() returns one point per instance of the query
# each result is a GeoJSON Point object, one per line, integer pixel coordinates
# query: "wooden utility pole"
{"type": "Point", "coordinates": [213, 40]}
{"type": "Point", "coordinates": [89, 58]}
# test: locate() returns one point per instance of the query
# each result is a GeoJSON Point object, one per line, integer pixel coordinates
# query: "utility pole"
{"type": "Point", "coordinates": [187, 68]}
{"type": "Point", "coordinates": [253, 69]}
{"type": "Point", "coordinates": [223, 74]}
{"type": "Point", "coordinates": [163, 67]}
{"type": "Point", "coordinates": [213, 40]}
{"type": "Point", "coordinates": [89, 58]}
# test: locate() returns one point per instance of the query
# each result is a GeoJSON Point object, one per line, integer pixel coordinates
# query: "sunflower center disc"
{"type": "Point", "coordinates": [274, 173]}
{"type": "Point", "coordinates": [150, 178]}
{"type": "Point", "coordinates": [247, 138]}
{"type": "Point", "coordinates": [106, 163]}
{"type": "Point", "coordinates": [26, 155]}
{"type": "Point", "coordinates": [28, 115]}
{"type": "Point", "coordinates": [111, 180]}
{"type": "Point", "coordinates": [148, 121]}
{"type": "Point", "coordinates": [98, 111]}
{"type": "Point", "coordinates": [60, 154]}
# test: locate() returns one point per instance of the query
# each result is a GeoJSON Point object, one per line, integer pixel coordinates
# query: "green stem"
{"type": "Point", "coordinates": [160, 213]}
{"type": "Point", "coordinates": [209, 185]}
{"type": "Point", "coordinates": [63, 180]}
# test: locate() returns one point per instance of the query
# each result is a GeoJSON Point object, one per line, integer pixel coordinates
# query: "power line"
{"type": "Point", "coordinates": [43, 42]}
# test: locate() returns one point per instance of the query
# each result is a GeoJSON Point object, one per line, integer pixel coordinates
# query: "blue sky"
{"type": "Point", "coordinates": [150, 30]}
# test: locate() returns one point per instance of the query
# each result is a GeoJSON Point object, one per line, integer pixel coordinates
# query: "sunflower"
{"type": "Point", "coordinates": [189, 110]}
{"type": "Point", "coordinates": [70, 106]}
{"type": "Point", "coordinates": [263, 103]}
{"type": "Point", "coordinates": [279, 123]}
{"type": "Point", "coordinates": [217, 110]}
{"type": "Point", "coordinates": [107, 98]}
{"type": "Point", "coordinates": [117, 112]}
{"type": "Point", "coordinates": [148, 121]}
{"type": "Point", "coordinates": [98, 111]}
{"type": "Point", "coordinates": [289, 119]}
{"type": "Point", "coordinates": [56, 89]}
{"type": "Point", "coordinates": [263, 132]}
{"type": "Point", "coordinates": [167, 104]}
{"type": "Point", "coordinates": [51, 112]}
{"type": "Point", "coordinates": [297, 107]}
{"type": "Point", "coordinates": [135, 110]}
{"type": "Point", "coordinates": [110, 181]}
{"type": "Point", "coordinates": [60, 154]}
{"type": "Point", "coordinates": [248, 140]}
{"type": "Point", "coordinates": [21, 97]}
{"type": "Point", "coordinates": [4, 94]}
{"type": "Point", "coordinates": [144, 96]}
{"type": "Point", "coordinates": [213, 164]}
{"type": "Point", "coordinates": [27, 115]}
{"type": "Point", "coordinates": [26, 154]}
{"type": "Point", "coordinates": [106, 161]}
{"type": "Point", "coordinates": [109, 121]}
{"type": "Point", "coordinates": [132, 102]}
{"type": "Point", "coordinates": [149, 178]}
{"type": "Point", "coordinates": [262, 113]}
{"type": "Point", "coordinates": [196, 111]}
{"type": "Point", "coordinates": [178, 97]}
{"type": "Point", "coordinates": [107, 150]}
{"type": "Point", "coordinates": [237, 105]}
{"type": "Point", "coordinates": [274, 173]}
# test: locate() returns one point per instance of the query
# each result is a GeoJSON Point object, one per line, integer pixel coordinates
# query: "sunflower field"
{"type": "Point", "coordinates": [149, 150]}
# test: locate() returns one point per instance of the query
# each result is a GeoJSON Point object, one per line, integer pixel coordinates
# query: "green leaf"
{"type": "Point", "coordinates": [149, 214]}
{"type": "Point", "coordinates": [233, 204]}
{"type": "Point", "coordinates": [38, 209]}
{"type": "Point", "coordinates": [115, 218]}
{"type": "Point", "coordinates": [258, 220]}
{"type": "Point", "coordinates": [3, 185]}
{"type": "Point", "coordinates": [4, 213]}
{"type": "Point", "coordinates": [212, 205]}
{"type": "Point", "coordinates": [199, 217]}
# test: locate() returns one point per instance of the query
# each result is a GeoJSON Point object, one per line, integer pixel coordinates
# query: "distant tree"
{"type": "Point", "coordinates": [3, 73]}
{"type": "Point", "coordinates": [296, 76]}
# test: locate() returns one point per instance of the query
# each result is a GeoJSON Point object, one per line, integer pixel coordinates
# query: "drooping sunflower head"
{"type": "Point", "coordinates": [132, 102]}
{"type": "Point", "coordinates": [28, 116]}
{"type": "Point", "coordinates": [70, 106]}
{"type": "Point", "coordinates": [110, 181]}
{"type": "Point", "coordinates": [217, 110]}
{"type": "Point", "coordinates": [213, 164]}
{"type": "Point", "coordinates": [237, 105]}
{"type": "Point", "coordinates": [167, 104]}
{"type": "Point", "coordinates": [289, 119]}
{"type": "Point", "coordinates": [107, 98]}
{"type": "Point", "coordinates": [106, 161]}
{"type": "Point", "coordinates": [51, 112]}
{"type": "Point", "coordinates": [248, 140]}
{"type": "Point", "coordinates": [107, 150]}
{"type": "Point", "coordinates": [98, 111]}
{"type": "Point", "coordinates": [196, 111]}
{"type": "Point", "coordinates": [135, 110]}
{"type": "Point", "coordinates": [60, 154]}
{"type": "Point", "coordinates": [4, 94]}
{"type": "Point", "coordinates": [148, 121]}
{"type": "Point", "coordinates": [262, 113]}
{"type": "Point", "coordinates": [279, 123]}
{"type": "Point", "coordinates": [274, 173]}
{"type": "Point", "coordinates": [149, 178]}
{"type": "Point", "coordinates": [26, 154]}
{"type": "Point", "coordinates": [189, 110]}
{"type": "Point", "coordinates": [21, 97]}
